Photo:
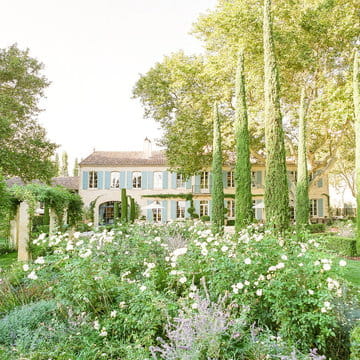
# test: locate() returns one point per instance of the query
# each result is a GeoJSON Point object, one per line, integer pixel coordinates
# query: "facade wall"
{"type": "Point", "coordinates": [103, 192]}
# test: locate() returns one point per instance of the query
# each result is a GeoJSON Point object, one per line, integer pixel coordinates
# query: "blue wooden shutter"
{"type": "Point", "coordinates": [173, 180]}
{"type": "Point", "coordinates": [149, 216]}
{"type": "Point", "coordinates": [122, 179]}
{"type": "Point", "coordinates": [187, 205]}
{"type": "Point", "coordinates": [188, 183]}
{"type": "Point", "coordinates": [197, 206]}
{"type": "Point", "coordinates": [150, 178]}
{"type": "Point", "coordinates": [259, 177]}
{"type": "Point", "coordinates": [107, 179]}
{"type": "Point", "coordinates": [164, 211]}
{"type": "Point", "coordinates": [225, 175]}
{"type": "Point", "coordinates": [165, 180]}
{"type": "Point", "coordinates": [144, 179]}
{"type": "Point", "coordinates": [85, 180]}
{"type": "Point", "coordinates": [320, 205]}
{"type": "Point", "coordinates": [173, 209]}
{"type": "Point", "coordinates": [129, 184]}
{"type": "Point", "coordinates": [197, 183]}
{"type": "Point", "coordinates": [100, 179]}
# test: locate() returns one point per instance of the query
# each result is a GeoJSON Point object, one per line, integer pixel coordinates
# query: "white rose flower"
{"type": "Point", "coordinates": [182, 280]}
{"type": "Point", "coordinates": [259, 292]}
{"type": "Point", "coordinates": [40, 260]}
{"type": "Point", "coordinates": [342, 263]}
{"type": "Point", "coordinates": [247, 261]}
{"type": "Point", "coordinates": [103, 332]}
{"type": "Point", "coordinates": [32, 276]}
{"type": "Point", "coordinates": [113, 314]}
{"type": "Point", "coordinates": [26, 267]}
{"type": "Point", "coordinates": [143, 288]}
{"type": "Point", "coordinates": [326, 267]}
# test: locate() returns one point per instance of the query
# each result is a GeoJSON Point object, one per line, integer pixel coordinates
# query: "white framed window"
{"type": "Point", "coordinates": [114, 180]}
{"type": "Point", "coordinates": [204, 207]}
{"type": "Point", "coordinates": [158, 180]}
{"type": "Point", "coordinates": [204, 180]}
{"type": "Point", "coordinates": [180, 209]}
{"type": "Point", "coordinates": [253, 179]}
{"type": "Point", "coordinates": [136, 180]}
{"type": "Point", "coordinates": [157, 213]}
{"type": "Point", "coordinates": [230, 179]}
{"type": "Point", "coordinates": [230, 205]}
{"type": "Point", "coordinates": [313, 207]}
{"type": "Point", "coordinates": [93, 180]}
{"type": "Point", "coordinates": [180, 182]}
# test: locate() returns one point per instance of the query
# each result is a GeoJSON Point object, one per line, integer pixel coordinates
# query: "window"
{"type": "Point", "coordinates": [136, 179]}
{"type": "Point", "coordinates": [115, 180]}
{"type": "Point", "coordinates": [313, 207]}
{"type": "Point", "coordinates": [93, 180]}
{"type": "Point", "coordinates": [204, 207]}
{"type": "Point", "coordinates": [180, 183]}
{"type": "Point", "coordinates": [158, 180]}
{"type": "Point", "coordinates": [230, 205]}
{"type": "Point", "coordinates": [204, 180]}
{"type": "Point", "coordinates": [230, 179]}
{"type": "Point", "coordinates": [253, 179]}
{"type": "Point", "coordinates": [180, 209]}
{"type": "Point", "coordinates": [157, 212]}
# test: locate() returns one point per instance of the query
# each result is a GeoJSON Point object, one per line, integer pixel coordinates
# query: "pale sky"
{"type": "Point", "coordinates": [93, 52]}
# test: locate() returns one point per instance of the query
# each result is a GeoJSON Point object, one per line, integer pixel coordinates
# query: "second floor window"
{"type": "Point", "coordinates": [136, 180]}
{"type": "Point", "coordinates": [115, 180]}
{"type": "Point", "coordinates": [158, 180]}
{"type": "Point", "coordinates": [230, 179]}
{"type": "Point", "coordinates": [93, 180]}
{"type": "Point", "coordinates": [180, 183]}
{"type": "Point", "coordinates": [204, 180]}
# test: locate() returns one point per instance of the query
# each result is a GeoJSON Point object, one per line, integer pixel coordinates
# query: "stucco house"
{"type": "Point", "coordinates": [163, 195]}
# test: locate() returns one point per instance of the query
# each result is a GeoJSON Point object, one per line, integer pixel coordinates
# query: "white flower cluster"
{"type": "Point", "coordinates": [149, 266]}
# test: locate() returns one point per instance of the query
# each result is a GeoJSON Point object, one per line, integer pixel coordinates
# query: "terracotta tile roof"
{"type": "Point", "coordinates": [69, 182]}
{"type": "Point", "coordinates": [118, 158]}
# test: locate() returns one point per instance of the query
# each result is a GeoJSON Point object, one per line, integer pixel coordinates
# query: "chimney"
{"type": "Point", "coordinates": [147, 148]}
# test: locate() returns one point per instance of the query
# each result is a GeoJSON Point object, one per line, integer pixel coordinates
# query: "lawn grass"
{"type": "Point", "coordinates": [352, 272]}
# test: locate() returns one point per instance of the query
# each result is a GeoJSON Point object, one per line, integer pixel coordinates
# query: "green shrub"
{"type": "Point", "coordinates": [355, 343]}
{"type": "Point", "coordinates": [230, 222]}
{"type": "Point", "coordinates": [340, 245]}
{"type": "Point", "coordinates": [316, 228]}
{"type": "Point", "coordinates": [24, 319]}
{"type": "Point", "coordinates": [205, 218]}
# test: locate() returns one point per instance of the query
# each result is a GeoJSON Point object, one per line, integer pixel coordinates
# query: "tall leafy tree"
{"type": "Point", "coordinates": [217, 188]}
{"type": "Point", "coordinates": [64, 164]}
{"type": "Point", "coordinates": [276, 179]}
{"type": "Point", "coordinates": [243, 197]}
{"type": "Point", "coordinates": [24, 149]}
{"type": "Point", "coordinates": [302, 185]}
{"type": "Point", "coordinates": [356, 97]}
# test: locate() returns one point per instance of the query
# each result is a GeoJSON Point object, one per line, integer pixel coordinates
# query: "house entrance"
{"type": "Point", "coordinates": [106, 212]}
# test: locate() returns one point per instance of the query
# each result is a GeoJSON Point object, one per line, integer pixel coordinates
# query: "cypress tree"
{"type": "Point", "coordinates": [302, 185]}
{"type": "Point", "coordinates": [64, 164]}
{"type": "Point", "coordinates": [46, 219]}
{"type": "Point", "coordinates": [356, 97]}
{"type": "Point", "coordinates": [124, 206]}
{"type": "Point", "coordinates": [276, 180]}
{"type": "Point", "coordinates": [132, 210]}
{"type": "Point", "coordinates": [57, 164]}
{"type": "Point", "coordinates": [76, 167]}
{"type": "Point", "coordinates": [243, 197]}
{"type": "Point", "coordinates": [217, 188]}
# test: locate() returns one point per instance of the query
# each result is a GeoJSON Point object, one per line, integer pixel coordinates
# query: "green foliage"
{"type": "Point", "coordinates": [64, 164]}
{"type": "Point", "coordinates": [205, 218]}
{"type": "Point", "coordinates": [132, 210]}
{"type": "Point", "coordinates": [316, 228]}
{"type": "Point", "coordinates": [302, 185]}
{"type": "Point", "coordinates": [116, 212]}
{"type": "Point", "coordinates": [217, 188]}
{"type": "Point", "coordinates": [243, 196]}
{"type": "Point", "coordinates": [355, 343]}
{"type": "Point", "coordinates": [25, 319]}
{"type": "Point", "coordinates": [340, 245]}
{"type": "Point", "coordinates": [24, 149]}
{"type": "Point", "coordinates": [124, 206]}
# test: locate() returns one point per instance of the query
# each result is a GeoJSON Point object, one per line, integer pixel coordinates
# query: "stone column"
{"type": "Point", "coordinates": [53, 221]}
{"type": "Point", "coordinates": [23, 232]}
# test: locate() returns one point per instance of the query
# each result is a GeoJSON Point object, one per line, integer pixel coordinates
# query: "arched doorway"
{"type": "Point", "coordinates": [106, 212]}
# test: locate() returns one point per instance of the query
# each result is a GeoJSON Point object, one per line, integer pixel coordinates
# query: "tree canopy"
{"type": "Point", "coordinates": [314, 41]}
{"type": "Point", "coordinates": [24, 149]}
